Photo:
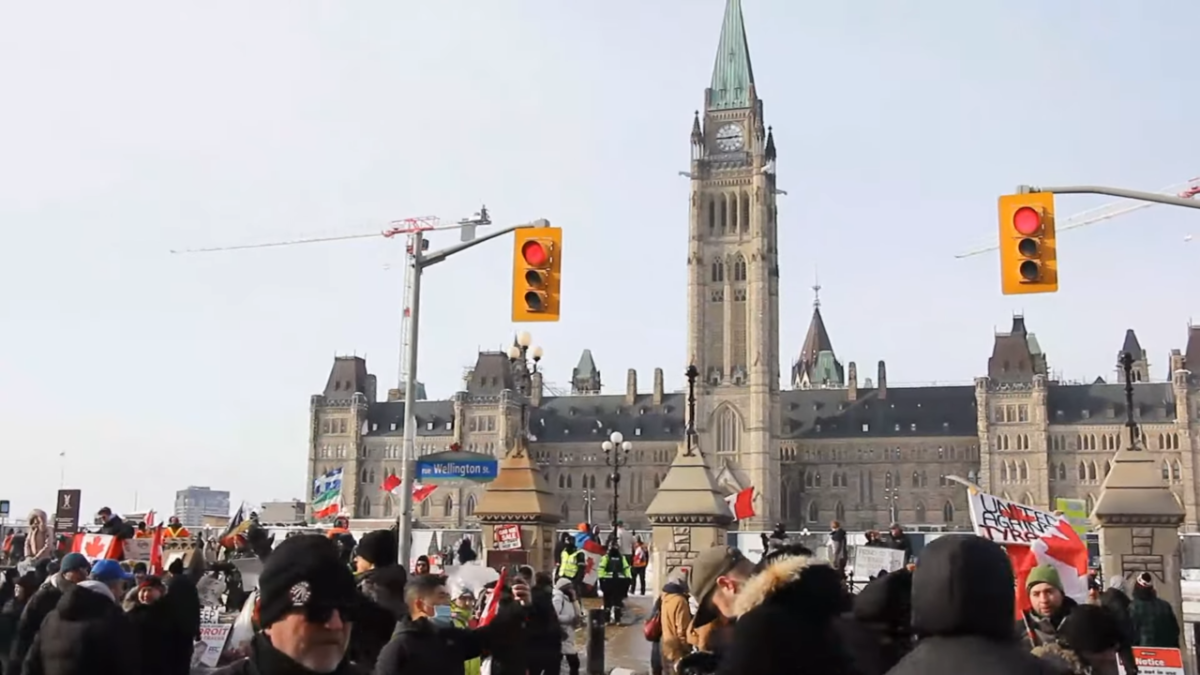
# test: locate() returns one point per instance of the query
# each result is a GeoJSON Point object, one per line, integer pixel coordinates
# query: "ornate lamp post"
{"type": "Point", "coordinates": [616, 455]}
{"type": "Point", "coordinates": [892, 495]}
{"type": "Point", "coordinates": [524, 359]}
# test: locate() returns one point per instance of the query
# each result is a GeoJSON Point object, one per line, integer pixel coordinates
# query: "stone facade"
{"type": "Point", "coordinates": [831, 446]}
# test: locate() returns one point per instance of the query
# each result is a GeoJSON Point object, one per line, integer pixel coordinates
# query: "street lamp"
{"type": "Point", "coordinates": [524, 359]}
{"type": "Point", "coordinates": [891, 496]}
{"type": "Point", "coordinates": [616, 455]}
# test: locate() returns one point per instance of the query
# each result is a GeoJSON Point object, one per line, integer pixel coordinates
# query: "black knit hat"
{"type": "Point", "coordinates": [304, 573]}
{"type": "Point", "coordinates": [378, 548]}
{"type": "Point", "coordinates": [1090, 629]}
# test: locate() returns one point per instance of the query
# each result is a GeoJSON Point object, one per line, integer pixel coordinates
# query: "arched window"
{"type": "Point", "coordinates": [1082, 471]}
{"type": "Point", "coordinates": [712, 215]}
{"type": "Point", "coordinates": [924, 478]}
{"type": "Point", "coordinates": [728, 430]}
{"type": "Point", "coordinates": [562, 481]}
{"type": "Point", "coordinates": [887, 480]}
{"type": "Point", "coordinates": [739, 268]}
{"type": "Point", "coordinates": [1090, 504]}
{"type": "Point", "coordinates": [916, 480]}
{"type": "Point", "coordinates": [1062, 471]}
{"type": "Point", "coordinates": [718, 270]}
{"type": "Point", "coordinates": [365, 475]}
{"type": "Point", "coordinates": [947, 512]}
{"type": "Point", "coordinates": [1024, 471]}
{"type": "Point", "coordinates": [448, 507]}
{"type": "Point", "coordinates": [372, 478]}
{"type": "Point", "coordinates": [839, 512]}
{"type": "Point", "coordinates": [1166, 470]}
{"type": "Point", "coordinates": [814, 512]}
{"type": "Point", "coordinates": [568, 481]}
{"type": "Point", "coordinates": [1028, 499]}
{"type": "Point", "coordinates": [1004, 472]}
{"type": "Point", "coordinates": [808, 479]}
{"type": "Point", "coordinates": [364, 508]}
{"type": "Point", "coordinates": [425, 508]}
{"type": "Point", "coordinates": [817, 479]}
{"type": "Point", "coordinates": [470, 505]}
{"type": "Point", "coordinates": [565, 511]}
{"type": "Point", "coordinates": [919, 512]}
{"type": "Point", "coordinates": [387, 507]}
{"type": "Point", "coordinates": [1177, 472]}
{"type": "Point", "coordinates": [1091, 471]}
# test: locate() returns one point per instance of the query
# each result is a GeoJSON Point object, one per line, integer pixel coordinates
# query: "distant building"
{"type": "Point", "coordinates": [195, 505]}
{"type": "Point", "coordinates": [288, 511]}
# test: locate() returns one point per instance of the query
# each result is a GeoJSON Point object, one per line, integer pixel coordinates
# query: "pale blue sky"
{"type": "Point", "coordinates": [131, 128]}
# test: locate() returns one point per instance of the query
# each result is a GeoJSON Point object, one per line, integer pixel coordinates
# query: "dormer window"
{"type": "Point", "coordinates": [429, 426]}
{"type": "Point", "coordinates": [637, 431]}
{"type": "Point", "coordinates": [449, 426]}
{"type": "Point", "coordinates": [374, 426]}
{"type": "Point", "coordinates": [393, 426]}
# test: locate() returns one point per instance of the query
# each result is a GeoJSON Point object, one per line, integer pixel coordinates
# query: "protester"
{"type": "Point", "coordinates": [898, 540]}
{"type": "Point", "coordinates": [638, 563]}
{"type": "Point", "coordinates": [39, 539]}
{"type": "Point", "coordinates": [878, 632]}
{"type": "Point", "coordinates": [22, 588]}
{"type": "Point", "coordinates": [74, 569]}
{"type": "Point", "coordinates": [1117, 603]}
{"type": "Point", "coordinates": [1087, 643]}
{"type": "Point", "coordinates": [543, 634]}
{"type": "Point", "coordinates": [381, 581]}
{"type": "Point", "coordinates": [787, 609]}
{"type": "Point", "coordinates": [422, 566]}
{"type": "Point", "coordinates": [615, 575]}
{"type": "Point", "coordinates": [839, 553]}
{"type": "Point", "coordinates": [111, 524]}
{"type": "Point", "coordinates": [307, 604]}
{"type": "Point", "coordinates": [570, 616]}
{"type": "Point", "coordinates": [1153, 618]}
{"type": "Point", "coordinates": [155, 626]}
{"type": "Point", "coordinates": [87, 633]}
{"type": "Point", "coordinates": [1049, 606]}
{"type": "Point", "coordinates": [183, 602]}
{"type": "Point", "coordinates": [716, 577]}
{"type": "Point", "coordinates": [963, 606]}
{"type": "Point", "coordinates": [675, 617]}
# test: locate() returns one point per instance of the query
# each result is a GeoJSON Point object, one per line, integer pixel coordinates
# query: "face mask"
{"type": "Point", "coordinates": [442, 615]}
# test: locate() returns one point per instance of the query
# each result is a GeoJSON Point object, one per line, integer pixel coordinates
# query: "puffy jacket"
{"type": "Point", "coordinates": [86, 634]}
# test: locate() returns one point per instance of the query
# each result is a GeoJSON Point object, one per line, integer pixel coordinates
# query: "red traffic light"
{"type": "Point", "coordinates": [535, 254]}
{"type": "Point", "coordinates": [1027, 221]}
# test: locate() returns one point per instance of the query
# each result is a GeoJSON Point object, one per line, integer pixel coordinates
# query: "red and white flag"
{"type": "Point", "coordinates": [97, 546]}
{"type": "Point", "coordinates": [1032, 537]}
{"type": "Point", "coordinates": [741, 505]}
{"type": "Point", "coordinates": [420, 492]}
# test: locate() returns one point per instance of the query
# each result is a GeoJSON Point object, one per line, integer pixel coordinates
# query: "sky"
{"type": "Point", "coordinates": [130, 129]}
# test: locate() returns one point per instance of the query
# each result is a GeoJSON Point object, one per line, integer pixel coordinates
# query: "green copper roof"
{"type": "Point", "coordinates": [732, 73]}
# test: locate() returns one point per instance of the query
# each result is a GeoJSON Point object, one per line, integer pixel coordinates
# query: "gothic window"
{"type": "Point", "coordinates": [1062, 471]}
{"type": "Point", "coordinates": [814, 512]}
{"type": "Point", "coordinates": [365, 475]}
{"type": "Point", "coordinates": [372, 478]}
{"type": "Point", "coordinates": [896, 479]}
{"type": "Point", "coordinates": [1175, 441]}
{"type": "Point", "coordinates": [1004, 472]}
{"type": "Point", "coordinates": [744, 212]}
{"type": "Point", "coordinates": [817, 479]}
{"type": "Point", "coordinates": [1028, 499]}
{"type": "Point", "coordinates": [568, 481]}
{"type": "Point", "coordinates": [448, 507]}
{"type": "Point", "coordinates": [1022, 413]}
{"type": "Point", "coordinates": [562, 481]}
{"type": "Point", "coordinates": [942, 480]}
{"type": "Point", "coordinates": [1082, 471]}
{"type": "Point", "coordinates": [387, 507]}
{"type": "Point", "coordinates": [924, 479]}
{"type": "Point", "coordinates": [342, 426]}
{"type": "Point", "coordinates": [1166, 470]}
{"type": "Point", "coordinates": [887, 481]}
{"type": "Point", "coordinates": [1024, 471]}
{"type": "Point", "coordinates": [1091, 504]}
{"type": "Point", "coordinates": [1177, 472]}
{"type": "Point", "coordinates": [657, 481]}
{"type": "Point", "coordinates": [325, 426]}
{"type": "Point", "coordinates": [425, 509]}
{"type": "Point", "coordinates": [712, 215]}
{"type": "Point", "coordinates": [839, 512]}
{"type": "Point", "coordinates": [739, 268]}
{"type": "Point", "coordinates": [470, 505]}
{"type": "Point", "coordinates": [916, 479]}
{"type": "Point", "coordinates": [728, 430]}
{"type": "Point", "coordinates": [565, 510]}
{"type": "Point", "coordinates": [1091, 470]}
{"type": "Point", "coordinates": [919, 512]}
{"type": "Point", "coordinates": [718, 270]}
{"type": "Point", "coordinates": [364, 508]}
{"type": "Point", "coordinates": [941, 453]}
{"type": "Point", "coordinates": [724, 215]}
{"type": "Point", "coordinates": [947, 512]}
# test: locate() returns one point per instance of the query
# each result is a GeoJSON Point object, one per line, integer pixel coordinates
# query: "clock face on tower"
{"type": "Point", "coordinates": [730, 138]}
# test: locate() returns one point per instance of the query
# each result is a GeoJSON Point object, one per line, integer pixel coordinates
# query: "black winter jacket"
{"type": "Point", "coordinates": [41, 603]}
{"type": "Point", "coordinates": [264, 659]}
{"type": "Point", "coordinates": [156, 630]}
{"type": "Point", "coordinates": [86, 634]}
{"type": "Point", "coordinates": [382, 592]}
{"type": "Point", "coordinates": [963, 607]}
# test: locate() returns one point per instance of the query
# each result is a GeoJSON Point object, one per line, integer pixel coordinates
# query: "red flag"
{"type": "Point", "coordinates": [156, 553]}
{"type": "Point", "coordinates": [420, 492]}
{"type": "Point", "coordinates": [97, 546]}
{"type": "Point", "coordinates": [493, 604]}
{"type": "Point", "coordinates": [742, 504]}
{"type": "Point", "coordinates": [150, 518]}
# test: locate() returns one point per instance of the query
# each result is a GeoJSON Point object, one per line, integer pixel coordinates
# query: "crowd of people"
{"type": "Point", "coordinates": [953, 611]}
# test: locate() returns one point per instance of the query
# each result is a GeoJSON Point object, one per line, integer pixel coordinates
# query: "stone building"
{"type": "Point", "coordinates": [829, 446]}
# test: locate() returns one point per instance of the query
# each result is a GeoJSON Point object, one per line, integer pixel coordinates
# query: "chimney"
{"type": "Point", "coordinates": [658, 386]}
{"type": "Point", "coordinates": [631, 387]}
{"type": "Point", "coordinates": [372, 388]}
{"type": "Point", "coordinates": [535, 396]}
{"type": "Point", "coordinates": [395, 395]}
{"type": "Point", "coordinates": [882, 380]}
{"type": "Point", "coordinates": [852, 383]}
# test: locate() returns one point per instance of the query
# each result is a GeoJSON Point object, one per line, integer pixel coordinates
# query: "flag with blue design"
{"type": "Point", "coordinates": [327, 494]}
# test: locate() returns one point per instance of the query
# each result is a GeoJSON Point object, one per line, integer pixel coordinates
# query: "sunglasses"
{"type": "Point", "coordinates": [321, 613]}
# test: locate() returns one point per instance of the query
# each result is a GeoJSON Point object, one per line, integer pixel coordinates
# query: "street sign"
{"type": "Point", "coordinates": [5, 507]}
{"type": "Point", "coordinates": [444, 468]}
{"type": "Point", "coordinates": [66, 512]}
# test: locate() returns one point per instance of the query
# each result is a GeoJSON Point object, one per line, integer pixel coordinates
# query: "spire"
{"type": "Point", "coordinates": [585, 379]}
{"type": "Point", "coordinates": [816, 287]}
{"type": "Point", "coordinates": [697, 134]}
{"type": "Point", "coordinates": [1132, 346]}
{"type": "Point", "coordinates": [818, 365]}
{"type": "Point", "coordinates": [769, 153]}
{"type": "Point", "coordinates": [733, 75]}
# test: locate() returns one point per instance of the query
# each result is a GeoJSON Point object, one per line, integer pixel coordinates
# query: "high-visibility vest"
{"type": "Point", "coordinates": [173, 532]}
{"type": "Point", "coordinates": [606, 574]}
{"type": "Point", "coordinates": [567, 566]}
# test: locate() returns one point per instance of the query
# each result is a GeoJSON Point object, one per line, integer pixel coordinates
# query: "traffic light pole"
{"type": "Point", "coordinates": [420, 261]}
{"type": "Point", "coordinates": [1113, 192]}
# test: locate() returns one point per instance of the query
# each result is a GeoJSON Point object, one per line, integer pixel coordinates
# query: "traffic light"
{"type": "Point", "coordinates": [1028, 254]}
{"type": "Point", "coordinates": [537, 274]}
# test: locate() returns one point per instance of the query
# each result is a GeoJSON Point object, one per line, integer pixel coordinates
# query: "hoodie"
{"type": "Point", "coordinates": [962, 607]}
{"type": "Point", "coordinates": [785, 621]}
{"type": "Point", "coordinates": [86, 634]}
{"type": "Point", "coordinates": [39, 542]}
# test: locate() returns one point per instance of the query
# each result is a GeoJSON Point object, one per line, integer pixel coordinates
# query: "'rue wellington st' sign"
{"type": "Point", "coordinates": [455, 466]}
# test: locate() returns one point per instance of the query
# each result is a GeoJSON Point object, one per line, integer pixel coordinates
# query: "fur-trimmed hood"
{"type": "Point", "coordinates": [813, 582]}
{"type": "Point", "coordinates": [1062, 658]}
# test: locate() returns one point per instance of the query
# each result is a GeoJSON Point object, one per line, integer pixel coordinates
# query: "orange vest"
{"type": "Point", "coordinates": [181, 532]}
{"type": "Point", "coordinates": [335, 531]}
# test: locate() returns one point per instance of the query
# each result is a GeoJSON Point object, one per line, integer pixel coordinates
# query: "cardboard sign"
{"type": "Point", "coordinates": [1155, 661]}
{"type": "Point", "coordinates": [1007, 522]}
{"type": "Point", "coordinates": [507, 538]}
{"type": "Point", "coordinates": [870, 560]}
{"type": "Point", "coordinates": [138, 550]}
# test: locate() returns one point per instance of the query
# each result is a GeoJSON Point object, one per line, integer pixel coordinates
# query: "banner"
{"type": "Point", "coordinates": [97, 546]}
{"type": "Point", "coordinates": [139, 550]}
{"type": "Point", "coordinates": [871, 560]}
{"type": "Point", "coordinates": [1032, 537]}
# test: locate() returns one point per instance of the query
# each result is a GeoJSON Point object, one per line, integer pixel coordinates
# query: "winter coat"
{"type": "Point", "coordinates": [41, 603]}
{"type": "Point", "coordinates": [878, 633]}
{"type": "Point", "coordinates": [1036, 630]}
{"type": "Point", "coordinates": [963, 604]}
{"type": "Point", "coordinates": [266, 660]}
{"type": "Point", "coordinates": [785, 621]}
{"type": "Point", "coordinates": [156, 629]}
{"type": "Point", "coordinates": [10, 617]}
{"type": "Point", "coordinates": [377, 617]}
{"type": "Point", "coordinates": [900, 542]}
{"type": "Point", "coordinates": [422, 648]}
{"type": "Point", "coordinates": [86, 634]}
{"type": "Point", "coordinates": [838, 553]}
{"type": "Point", "coordinates": [675, 617]}
{"type": "Point", "coordinates": [569, 612]}
{"type": "Point", "coordinates": [1153, 619]}
{"type": "Point", "coordinates": [118, 528]}
{"type": "Point", "coordinates": [39, 541]}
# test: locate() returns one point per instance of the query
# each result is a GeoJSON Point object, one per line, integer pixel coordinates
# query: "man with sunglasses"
{"type": "Point", "coordinates": [306, 608]}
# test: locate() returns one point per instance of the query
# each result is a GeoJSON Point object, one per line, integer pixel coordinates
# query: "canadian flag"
{"type": "Point", "coordinates": [741, 505]}
{"type": "Point", "coordinates": [593, 552]}
{"type": "Point", "coordinates": [1061, 548]}
{"type": "Point", "coordinates": [97, 546]}
{"type": "Point", "coordinates": [420, 492]}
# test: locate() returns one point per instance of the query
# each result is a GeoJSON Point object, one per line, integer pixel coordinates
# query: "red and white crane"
{"type": "Point", "coordinates": [1186, 190]}
{"type": "Point", "coordinates": [406, 227]}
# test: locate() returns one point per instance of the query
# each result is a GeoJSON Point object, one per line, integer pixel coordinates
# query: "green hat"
{"type": "Point", "coordinates": [1043, 574]}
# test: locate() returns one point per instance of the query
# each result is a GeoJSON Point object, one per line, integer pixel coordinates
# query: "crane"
{"type": "Point", "coordinates": [1186, 190]}
{"type": "Point", "coordinates": [406, 227]}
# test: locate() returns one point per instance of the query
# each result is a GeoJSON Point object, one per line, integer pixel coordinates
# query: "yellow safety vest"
{"type": "Point", "coordinates": [567, 567]}
{"type": "Point", "coordinates": [605, 574]}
